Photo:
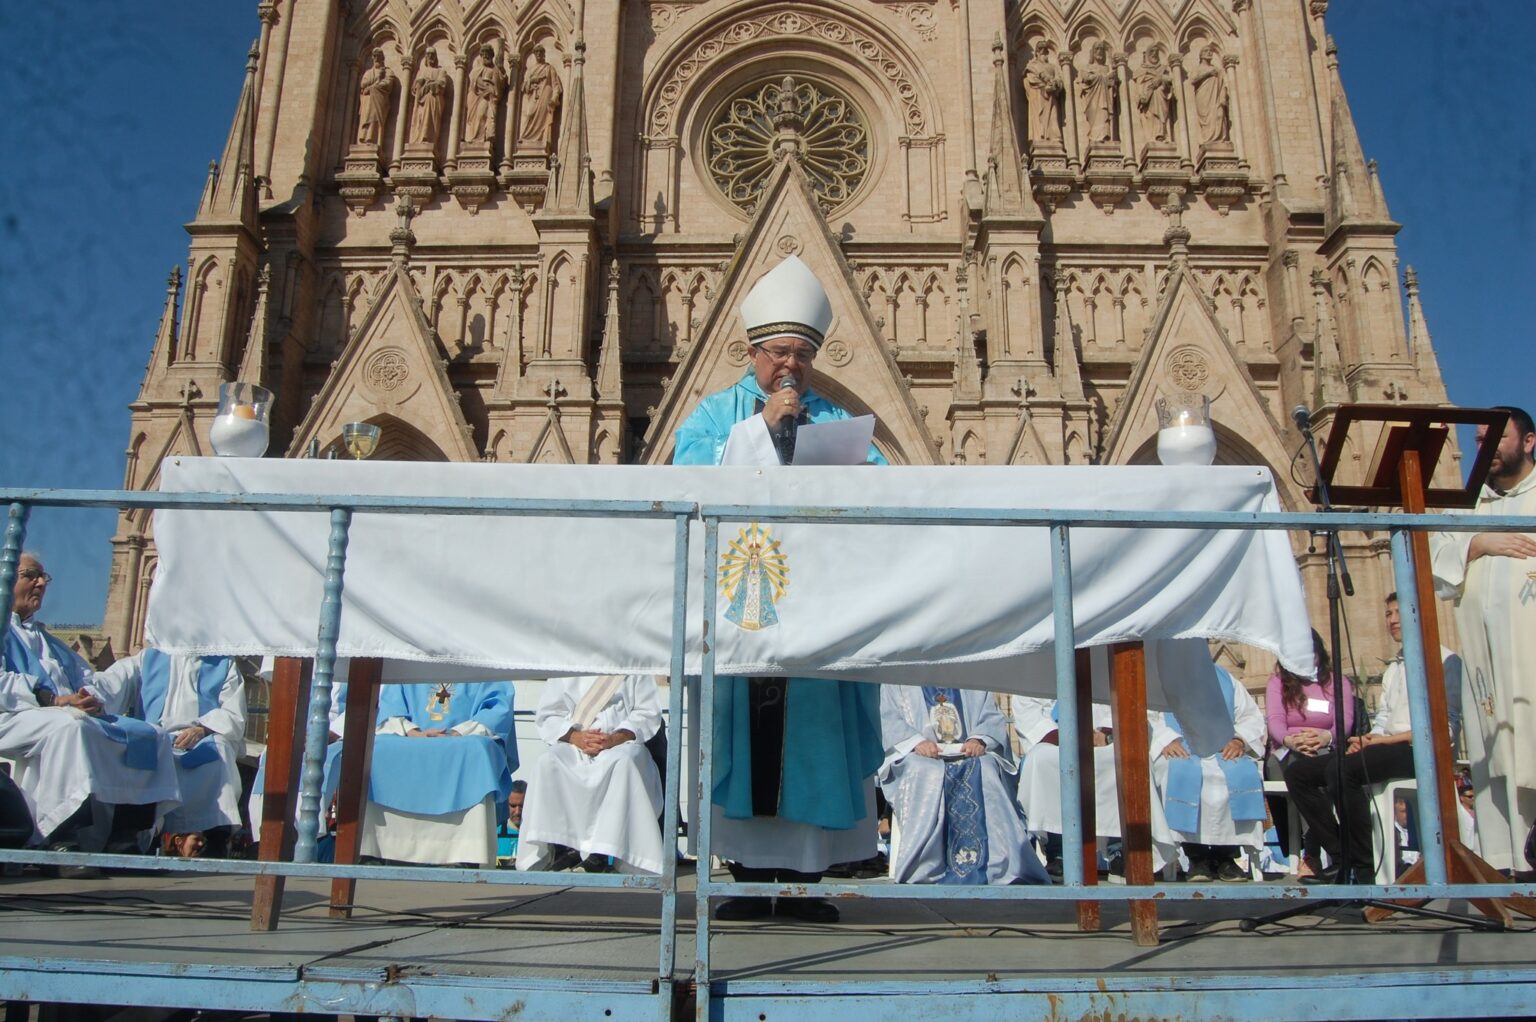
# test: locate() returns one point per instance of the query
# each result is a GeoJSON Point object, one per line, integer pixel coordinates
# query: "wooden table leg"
{"type": "Point", "coordinates": [1087, 794]}
{"type": "Point", "coordinates": [356, 766]}
{"type": "Point", "coordinates": [1133, 768]}
{"type": "Point", "coordinates": [287, 714]}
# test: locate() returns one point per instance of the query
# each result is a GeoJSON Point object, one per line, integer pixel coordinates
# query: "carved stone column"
{"type": "Point", "coordinates": [403, 114]}
{"type": "Point", "coordinates": [1181, 92]}
{"type": "Point", "coordinates": [456, 115]}
{"type": "Point", "coordinates": [1077, 156]}
{"type": "Point", "coordinates": [509, 117]}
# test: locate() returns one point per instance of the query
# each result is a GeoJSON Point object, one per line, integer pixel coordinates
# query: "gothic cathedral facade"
{"type": "Point", "coordinates": [520, 231]}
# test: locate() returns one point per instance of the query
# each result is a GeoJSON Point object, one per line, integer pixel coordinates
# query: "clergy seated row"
{"type": "Point", "coordinates": [115, 755]}
{"type": "Point", "coordinates": [441, 774]}
{"type": "Point", "coordinates": [1209, 805]}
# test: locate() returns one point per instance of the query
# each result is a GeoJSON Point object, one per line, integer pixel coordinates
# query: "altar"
{"type": "Point", "coordinates": [820, 574]}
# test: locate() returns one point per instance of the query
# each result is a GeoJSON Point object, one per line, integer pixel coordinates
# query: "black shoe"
{"type": "Point", "coordinates": [808, 910]}
{"type": "Point", "coordinates": [735, 910]}
{"type": "Point", "coordinates": [1341, 875]}
{"type": "Point", "coordinates": [82, 872]}
{"type": "Point", "coordinates": [1228, 871]}
{"type": "Point", "coordinates": [1053, 868]}
{"type": "Point", "coordinates": [564, 858]}
{"type": "Point", "coordinates": [595, 863]}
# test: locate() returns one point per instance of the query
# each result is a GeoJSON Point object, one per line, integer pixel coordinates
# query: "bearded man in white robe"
{"type": "Point", "coordinates": [200, 703]}
{"type": "Point", "coordinates": [1492, 578]}
{"type": "Point", "coordinates": [596, 789]}
{"type": "Point", "coordinates": [72, 750]}
{"type": "Point", "coordinates": [949, 777]}
{"type": "Point", "coordinates": [1040, 777]}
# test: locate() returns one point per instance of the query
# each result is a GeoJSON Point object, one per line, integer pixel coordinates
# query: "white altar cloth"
{"type": "Point", "coordinates": [481, 596]}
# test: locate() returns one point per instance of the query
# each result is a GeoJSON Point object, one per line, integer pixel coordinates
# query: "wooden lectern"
{"type": "Point", "coordinates": [1412, 437]}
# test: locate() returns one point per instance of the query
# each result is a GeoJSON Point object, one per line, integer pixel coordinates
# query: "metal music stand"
{"type": "Point", "coordinates": [1411, 440]}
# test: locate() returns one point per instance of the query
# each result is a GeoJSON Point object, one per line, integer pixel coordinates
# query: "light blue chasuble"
{"type": "Point", "coordinates": [433, 776]}
{"type": "Point", "coordinates": [1186, 778]}
{"type": "Point", "coordinates": [831, 728]}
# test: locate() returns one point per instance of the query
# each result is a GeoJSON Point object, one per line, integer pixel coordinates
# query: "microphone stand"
{"type": "Point", "coordinates": [1338, 578]}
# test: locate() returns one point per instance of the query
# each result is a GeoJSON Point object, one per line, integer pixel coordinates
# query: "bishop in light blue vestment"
{"type": "Point", "coordinates": [442, 770]}
{"type": "Point", "coordinates": [956, 818]}
{"type": "Point", "coordinates": [793, 757]}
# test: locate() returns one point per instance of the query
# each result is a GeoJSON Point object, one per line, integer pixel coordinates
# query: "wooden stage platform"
{"type": "Point", "coordinates": [496, 952]}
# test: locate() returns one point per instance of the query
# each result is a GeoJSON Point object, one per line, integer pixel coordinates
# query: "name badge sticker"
{"type": "Point", "coordinates": [1319, 706]}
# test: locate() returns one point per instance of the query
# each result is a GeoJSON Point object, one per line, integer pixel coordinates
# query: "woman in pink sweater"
{"type": "Point", "coordinates": [1300, 714]}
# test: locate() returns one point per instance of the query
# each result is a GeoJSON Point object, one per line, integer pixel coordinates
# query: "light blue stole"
{"type": "Point", "coordinates": [142, 740]}
{"type": "Point", "coordinates": [1245, 788]}
{"type": "Point", "coordinates": [965, 809]}
{"type": "Point", "coordinates": [155, 683]}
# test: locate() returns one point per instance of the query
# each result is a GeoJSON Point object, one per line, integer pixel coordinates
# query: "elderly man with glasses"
{"type": "Point", "coordinates": [73, 751]}
{"type": "Point", "coordinates": [794, 757]}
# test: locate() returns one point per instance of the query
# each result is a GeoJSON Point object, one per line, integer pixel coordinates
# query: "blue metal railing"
{"type": "Point", "coordinates": [342, 509]}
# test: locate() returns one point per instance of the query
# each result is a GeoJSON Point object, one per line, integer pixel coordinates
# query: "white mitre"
{"type": "Point", "coordinates": [788, 302]}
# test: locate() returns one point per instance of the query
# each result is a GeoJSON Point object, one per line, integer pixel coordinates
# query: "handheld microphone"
{"type": "Point", "coordinates": [784, 432]}
{"type": "Point", "coordinates": [1302, 418]}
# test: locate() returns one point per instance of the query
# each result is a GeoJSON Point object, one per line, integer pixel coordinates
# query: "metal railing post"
{"type": "Point", "coordinates": [1068, 736]}
{"type": "Point", "coordinates": [1432, 836]}
{"type": "Point", "coordinates": [10, 555]}
{"type": "Point", "coordinates": [315, 736]}
{"type": "Point", "coordinates": [704, 797]}
{"type": "Point", "coordinates": [670, 812]}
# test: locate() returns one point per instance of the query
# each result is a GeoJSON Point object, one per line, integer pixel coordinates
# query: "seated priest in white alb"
{"type": "Point", "coordinates": [73, 751]}
{"type": "Point", "coordinates": [1040, 778]}
{"type": "Point", "coordinates": [949, 779]}
{"type": "Point", "coordinates": [1214, 804]}
{"type": "Point", "coordinates": [200, 703]}
{"type": "Point", "coordinates": [596, 789]}
{"type": "Point", "coordinates": [442, 770]}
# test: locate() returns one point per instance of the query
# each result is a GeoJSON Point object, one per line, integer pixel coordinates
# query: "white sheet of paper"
{"type": "Point", "coordinates": [839, 442]}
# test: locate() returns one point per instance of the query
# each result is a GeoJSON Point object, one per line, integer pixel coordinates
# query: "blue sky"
{"type": "Point", "coordinates": [107, 148]}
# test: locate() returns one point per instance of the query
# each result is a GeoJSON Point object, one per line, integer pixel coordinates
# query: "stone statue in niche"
{"type": "Point", "coordinates": [1154, 95]}
{"type": "Point", "coordinates": [374, 91]}
{"type": "Point", "coordinates": [1212, 103]}
{"type": "Point", "coordinates": [1098, 90]}
{"type": "Point", "coordinates": [483, 99]}
{"type": "Point", "coordinates": [542, 93]}
{"type": "Point", "coordinates": [1043, 89]}
{"type": "Point", "coordinates": [429, 96]}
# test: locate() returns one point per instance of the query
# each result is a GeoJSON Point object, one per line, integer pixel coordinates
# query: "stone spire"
{"type": "Point", "coordinates": [253, 364]}
{"type": "Point", "coordinates": [573, 186]}
{"type": "Point", "coordinates": [166, 337]}
{"type": "Point", "coordinates": [610, 372]}
{"type": "Point", "coordinates": [967, 365]}
{"type": "Point", "coordinates": [231, 190]}
{"type": "Point", "coordinates": [1069, 375]}
{"type": "Point", "coordinates": [1008, 190]}
{"type": "Point", "coordinates": [1426, 364]}
{"type": "Point", "coordinates": [1354, 194]}
{"type": "Point", "coordinates": [1328, 387]}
